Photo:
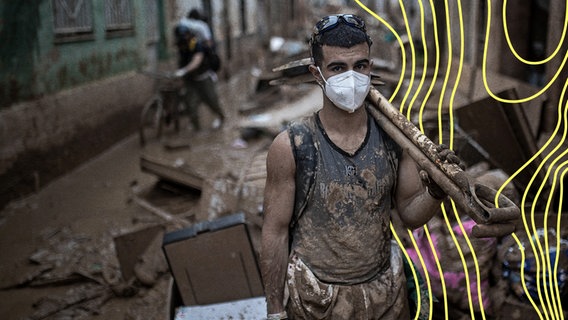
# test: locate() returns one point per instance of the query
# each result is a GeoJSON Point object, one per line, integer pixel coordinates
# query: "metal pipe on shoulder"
{"type": "Point", "coordinates": [474, 199]}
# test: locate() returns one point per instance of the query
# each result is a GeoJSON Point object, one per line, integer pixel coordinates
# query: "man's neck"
{"type": "Point", "coordinates": [346, 130]}
{"type": "Point", "coordinates": [337, 120]}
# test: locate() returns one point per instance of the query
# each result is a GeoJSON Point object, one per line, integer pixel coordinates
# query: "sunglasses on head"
{"type": "Point", "coordinates": [330, 22]}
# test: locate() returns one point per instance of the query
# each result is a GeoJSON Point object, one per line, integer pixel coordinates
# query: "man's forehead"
{"type": "Point", "coordinates": [358, 51]}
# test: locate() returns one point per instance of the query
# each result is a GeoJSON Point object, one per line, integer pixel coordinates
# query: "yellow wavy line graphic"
{"type": "Point", "coordinates": [561, 196]}
{"type": "Point", "coordinates": [412, 56]}
{"type": "Point", "coordinates": [476, 264]}
{"type": "Point", "coordinates": [436, 66]}
{"type": "Point", "coordinates": [548, 295]}
{"type": "Point", "coordinates": [532, 231]}
{"type": "Point", "coordinates": [547, 272]}
{"type": "Point", "coordinates": [447, 74]}
{"type": "Point", "coordinates": [440, 271]}
{"type": "Point", "coordinates": [555, 133]}
{"type": "Point", "coordinates": [426, 276]}
{"type": "Point", "coordinates": [464, 263]}
{"type": "Point", "coordinates": [512, 48]}
{"type": "Point", "coordinates": [398, 39]}
{"type": "Point", "coordinates": [424, 54]}
{"type": "Point", "coordinates": [416, 283]}
{"type": "Point", "coordinates": [484, 67]}
{"type": "Point", "coordinates": [554, 293]}
{"type": "Point", "coordinates": [523, 282]}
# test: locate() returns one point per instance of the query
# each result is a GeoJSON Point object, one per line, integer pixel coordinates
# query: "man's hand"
{"type": "Point", "coordinates": [433, 188]}
{"type": "Point", "coordinates": [446, 155]}
{"type": "Point", "coordinates": [180, 73]}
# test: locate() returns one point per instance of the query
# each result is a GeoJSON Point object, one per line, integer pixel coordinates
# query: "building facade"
{"type": "Point", "coordinates": [70, 85]}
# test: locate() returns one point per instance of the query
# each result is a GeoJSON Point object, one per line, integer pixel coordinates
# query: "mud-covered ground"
{"type": "Point", "coordinates": [59, 259]}
{"type": "Point", "coordinates": [77, 215]}
{"type": "Point", "coordinates": [58, 254]}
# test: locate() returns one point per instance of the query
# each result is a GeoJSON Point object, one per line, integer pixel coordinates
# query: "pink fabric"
{"type": "Point", "coordinates": [452, 268]}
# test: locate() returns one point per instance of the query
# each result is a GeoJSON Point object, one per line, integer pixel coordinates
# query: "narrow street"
{"type": "Point", "coordinates": [85, 208]}
{"type": "Point", "coordinates": [59, 242]}
{"type": "Point", "coordinates": [91, 201]}
{"type": "Point", "coordinates": [60, 258]}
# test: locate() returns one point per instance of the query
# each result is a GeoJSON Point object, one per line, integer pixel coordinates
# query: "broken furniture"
{"type": "Point", "coordinates": [213, 262]}
{"type": "Point", "coordinates": [172, 171]}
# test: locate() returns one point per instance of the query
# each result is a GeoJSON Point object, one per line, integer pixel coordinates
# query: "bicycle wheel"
{"type": "Point", "coordinates": [171, 103]}
{"type": "Point", "coordinates": [151, 120]}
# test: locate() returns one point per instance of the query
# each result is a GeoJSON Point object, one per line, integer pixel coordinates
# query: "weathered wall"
{"type": "Point", "coordinates": [19, 38]}
{"type": "Point", "coordinates": [43, 138]}
{"type": "Point", "coordinates": [62, 101]}
{"type": "Point", "coordinates": [35, 61]}
{"type": "Point", "coordinates": [65, 99]}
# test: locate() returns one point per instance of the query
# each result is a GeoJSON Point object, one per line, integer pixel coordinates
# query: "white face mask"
{"type": "Point", "coordinates": [347, 90]}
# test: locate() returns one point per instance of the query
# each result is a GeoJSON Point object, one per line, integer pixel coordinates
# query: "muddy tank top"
{"type": "Point", "coordinates": [343, 234]}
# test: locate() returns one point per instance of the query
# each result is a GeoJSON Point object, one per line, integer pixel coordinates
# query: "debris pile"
{"type": "Point", "coordinates": [88, 272]}
{"type": "Point", "coordinates": [485, 274]}
{"type": "Point", "coordinates": [494, 276]}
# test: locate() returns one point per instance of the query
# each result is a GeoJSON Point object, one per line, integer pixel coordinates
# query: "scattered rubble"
{"type": "Point", "coordinates": [90, 269]}
{"type": "Point", "coordinates": [132, 263]}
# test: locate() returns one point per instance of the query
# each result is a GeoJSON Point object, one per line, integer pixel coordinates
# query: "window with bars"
{"type": "Point", "coordinates": [72, 17]}
{"type": "Point", "coordinates": [118, 15]}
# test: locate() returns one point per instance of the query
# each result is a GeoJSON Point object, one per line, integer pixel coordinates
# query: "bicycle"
{"type": "Point", "coordinates": [163, 108]}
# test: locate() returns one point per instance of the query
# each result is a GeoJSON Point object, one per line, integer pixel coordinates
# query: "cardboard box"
{"type": "Point", "coordinates": [214, 261]}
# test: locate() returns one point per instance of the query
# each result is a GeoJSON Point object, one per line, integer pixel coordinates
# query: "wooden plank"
{"type": "Point", "coordinates": [167, 170]}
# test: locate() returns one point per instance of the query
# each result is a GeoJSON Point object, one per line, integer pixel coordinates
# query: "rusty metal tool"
{"type": "Point", "coordinates": [474, 199]}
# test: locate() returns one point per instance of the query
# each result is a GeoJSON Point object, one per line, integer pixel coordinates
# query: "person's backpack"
{"type": "Point", "coordinates": [213, 59]}
{"type": "Point", "coordinates": [305, 153]}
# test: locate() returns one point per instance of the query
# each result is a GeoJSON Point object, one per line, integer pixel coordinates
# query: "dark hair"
{"type": "Point", "coordinates": [342, 35]}
{"type": "Point", "coordinates": [181, 34]}
{"type": "Point", "coordinates": [194, 14]}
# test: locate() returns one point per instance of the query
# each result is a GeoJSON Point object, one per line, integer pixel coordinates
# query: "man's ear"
{"type": "Point", "coordinates": [315, 72]}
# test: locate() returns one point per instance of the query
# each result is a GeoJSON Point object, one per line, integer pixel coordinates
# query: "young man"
{"type": "Point", "coordinates": [331, 257]}
{"type": "Point", "coordinates": [200, 80]}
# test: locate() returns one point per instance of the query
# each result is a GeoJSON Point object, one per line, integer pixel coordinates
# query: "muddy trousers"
{"type": "Point", "coordinates": [383, 298]}
{"type": "Point", "coordinates": [203, 90]}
